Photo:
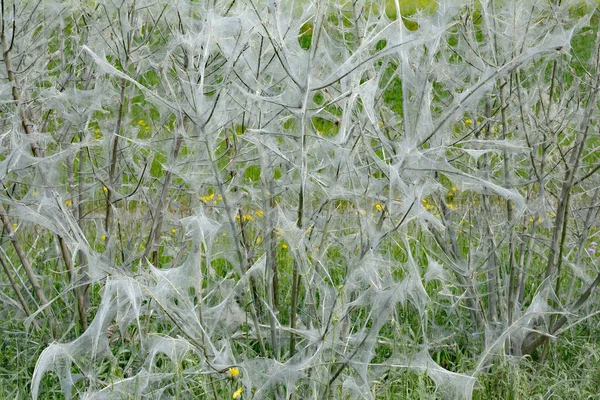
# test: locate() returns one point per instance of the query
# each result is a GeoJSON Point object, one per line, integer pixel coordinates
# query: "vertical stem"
{"type": "Point", "coordinates": [241, 259]}
{"type": "Point", "coordinates": [508, 185]}
{"type": "Point", "coordinates": [15, 287]}
{"type": "Point", "coordinates": [560, 223]}
{"type": "Point", "coordinates": [156, 232]}
{"type": "Point", "coordinates": [36, 152]}
{"type": "Point", "coordinates": [533, 340]}
{"type": "Point", "coordinates": [83, 297]}
{"type": "Point", "coordinates": [492, 265]}
{"type": "Point", "coordinates": [491, 273]}
{"type": "Point", "coordinates": [271, 263]}
{"type": "Point", "coordinates": [296, 276]}
{"type": "Point", "coordinates": [589, 222]}
{"type": "Point", "coordinates": [113, 160]}
{"type": "Point", "coordinates": [27, 266]}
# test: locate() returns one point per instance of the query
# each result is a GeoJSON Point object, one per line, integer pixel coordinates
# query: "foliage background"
{"type": "Point", "coordinates": [299, 199]}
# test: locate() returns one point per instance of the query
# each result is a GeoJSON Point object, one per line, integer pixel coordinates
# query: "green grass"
{"type": "Point", "coordinates": [566, 368]}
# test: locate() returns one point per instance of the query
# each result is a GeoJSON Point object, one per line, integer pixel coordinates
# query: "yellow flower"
{"type": "Point", "coordinates": [103, 237]}
{"type": "Point", "coordinates": [141, 122]}
{"type": "Point", "coordinates": [105, 188]}
{"type": "Point", "coordinates": [259, 239]}
{"type": "Point", "coordinates": [224, 234]}
{"type": "Point", "coordinates": [237, 394]}
{"type": "Point", "coordinates": [453, 188]}
{"type": "Point", "coordinates": [380, 123]}
{"type": "Point", "coordinates": [259, 213]}
{"type": "Point", "coordinates": [208, 198]}
{"type": "Point", "coordinates": [424, 201]}
{"type": "Point", "coordinates": [378, 207]}
{"type": "Point", "coordinates": [234, 372]}
{"type": "Point", "coordinates": [531, 219]}
{"type": "Point", "coordinates": [173, 230]}
{"type": "Point", "coordinates": [68, 203]}
{"type": "Point", "coordinates": [468, 122]}
{"type": "Point", "coordinates": [249, 217]}
{"type": "Point", "coordinates": [14, 226]}
{"type": "Point", "coordinates": [451, 206]}
{"type": "Point", "coordinates": [284, 246]}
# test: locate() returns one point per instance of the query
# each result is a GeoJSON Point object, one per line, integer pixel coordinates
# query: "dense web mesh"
{"type": "Point", "coordinates": [264, 195]}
